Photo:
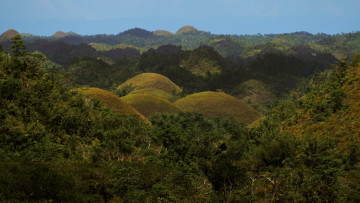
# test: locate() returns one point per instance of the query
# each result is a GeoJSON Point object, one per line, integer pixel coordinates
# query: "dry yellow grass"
{"type": "Point", "coordinates": [9, 34]}
{"type": "Point", "coordinates": [149, 105]}
{"type": "Point", "coordinates": [162, 33]}
{"type": "Point", "coordinates": [110, 100]}
{"type": "Point", "coordinates": [155, 92]}
{"type": "Point", "coordinates": [154, 81]}
{"type": "Point", "coordinates": [60, 34]}
{"type": "Point", "coordinates": [186, 28]}
{"type": "Point", "coordinates": [218, 105]}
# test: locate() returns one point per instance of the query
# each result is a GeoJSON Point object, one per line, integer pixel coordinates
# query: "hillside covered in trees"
{"type": "Point", "coordinates": [195, 60]}
{"type": "Point", "coordinates": [187, 117]}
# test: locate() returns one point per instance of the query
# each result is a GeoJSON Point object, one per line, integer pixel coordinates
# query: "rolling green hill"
{"type": "Point", "coordinates": [203, 61]}
{"type": "Point", "coordinates": [107, 47]}
{"type": "Point", "coordinates": [61, 145]}
{"type": "Point", "coordinates": [218, 104]}
{"type": "Point", "coordinates": [226, 47]}
{"type": "Point", "coordinates": [152, 80]}
{"type": "Point", "coordinates": [254, 90]}
{"type": "Point", "coordinates": [149, 105]}
{"type": "Point", "coordinates": [110, 100]}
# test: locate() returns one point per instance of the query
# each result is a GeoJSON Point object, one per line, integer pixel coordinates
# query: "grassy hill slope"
{"type": "Point", "coordinates": [8, 34]}
{"type": "Point", "coordinates": [162, 33]}
{"type": "Point", "coordinates": [149, 105]}
{"type": "Point", "coordinates": [203, 61]}
{"type": "Point", "coordinates": [186, 28]}
{"type": "Point", "coordinates": [331, 110]}
{"type": "Point", "coordinates": [218, 104]}
{"type": "Point", "coordinates": [156, 92]}
{"type": "Point", "coordinates": [60, 34]}
{"type": "Point", "coordinates": [110, 100]}
{"type": "Point", "coordinates": [152, 80]}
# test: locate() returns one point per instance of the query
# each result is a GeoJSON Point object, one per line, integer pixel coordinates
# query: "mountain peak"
{"type": "Point", "coordinates": [137, 32]}
{"type": "Point", "coordinates": [186, 28]}
{"type": "Point", "coordinates": [162, 33]}
{"type": "Point", "coordinates": [9, 34]}
{"type": "Point", "coordinates": [59, 34]}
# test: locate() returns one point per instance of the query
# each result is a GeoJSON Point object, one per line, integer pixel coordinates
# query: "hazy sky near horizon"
{"type": "Point", "coordinates": [45, 17]}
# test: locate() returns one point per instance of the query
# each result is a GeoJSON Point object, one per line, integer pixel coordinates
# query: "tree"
{"type": "Point", "coordinates": [17, 46]}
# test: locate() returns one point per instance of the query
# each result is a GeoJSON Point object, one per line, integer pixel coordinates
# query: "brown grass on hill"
{"type": "Point", "coordinates": [60, 34]}
{"type": "Point", "coordinates": [110, 100]}
{"type": "Point", "coordinates": [149, 105]}
{"type": "Point", "coordinates": [218, 104]}
{"type": "Point", "coordinates": [9, 34]}
{"type": "Point", "coordinates": [162, 33]}
{"type": "Point", "coordinates": [152, 80]}
{"type": "Point", "coordinates": [156, 92]}
{"type": "Point", "coordinates": [186, 28]}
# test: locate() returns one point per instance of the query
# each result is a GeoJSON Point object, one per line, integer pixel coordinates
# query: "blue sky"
{"type": "Point", "coordinates": [45, 17]}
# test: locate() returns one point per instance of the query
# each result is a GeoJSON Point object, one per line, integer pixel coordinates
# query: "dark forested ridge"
{"type": "Point", "coordinates": [58, 145]}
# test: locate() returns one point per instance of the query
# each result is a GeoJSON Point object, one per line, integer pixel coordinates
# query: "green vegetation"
{"type": "Point", "coordinates": [331, 109]}
{"type": "Point", "coordinates": [227, 47]}
{"type": "Point", "coordinates": [107, 47]}
{"type": "Point", "coordinates": [254, 90]}
{"type": "Point", "coordinates": [50, 135]}
{"type": "Point", "coordinates": [203, 61]}
{"type": "Point", "coordinates": [149, 105]}
{"type": "Point", "coordinates": [256, 94]}
{"type": "Point", "coordinates": [218, 105]}
{"type": "Point", "coordinates": [59, 145]}
{"type": "Point", "coordinates": [98, 73]}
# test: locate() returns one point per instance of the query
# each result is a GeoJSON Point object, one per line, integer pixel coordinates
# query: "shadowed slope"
{"type": "Point", "coordinates": [253, 90]}
{"type": "Point", "coordinates": [218, 104]}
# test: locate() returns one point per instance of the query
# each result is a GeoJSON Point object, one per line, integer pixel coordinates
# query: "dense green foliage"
{"type": "Point", "coordinates": [59, 146]}
{"type": "Point", "coordinates": [97, 73]}
{"type": "Point", "coordinates": [196, 61]}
